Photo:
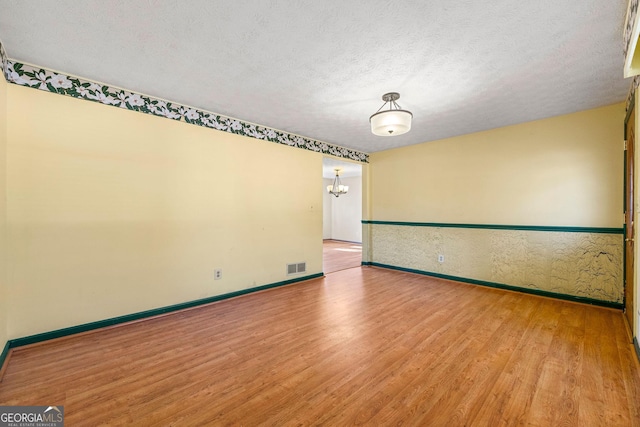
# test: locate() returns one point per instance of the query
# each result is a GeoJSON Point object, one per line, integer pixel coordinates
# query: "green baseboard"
{"type": "Point", "coordinates": [32, 339]}
{"type": "Point", "coordinates": [564, 229]}
{"type": "Point", "coordinates": [3, 356]}
{"type": "Point", "coordinates": [565, 297]}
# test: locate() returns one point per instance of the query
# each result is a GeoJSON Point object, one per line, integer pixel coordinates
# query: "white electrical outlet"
{"type": "Point", "coordinates": [440, 258]}
{"type": "Point", "coordinates": [217, 274]}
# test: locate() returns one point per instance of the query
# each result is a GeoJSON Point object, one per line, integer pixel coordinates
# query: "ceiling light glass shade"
{"type": "Point", "coordinates": [337, 188]}
{"type": "Point", "coordinates": [391, 122]}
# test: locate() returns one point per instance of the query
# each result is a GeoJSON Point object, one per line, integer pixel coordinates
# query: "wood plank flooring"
{"type": "Point", "coordinates": [338, 255]}
{"type": "Point", "coordinates": [362, 346]}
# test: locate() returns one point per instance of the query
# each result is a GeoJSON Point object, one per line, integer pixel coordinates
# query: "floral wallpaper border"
{"type": "Point", "coordinates": [47, 80]}
{"type": "Point", "coordinates": [632, 14]}
{"type": "Point", "coordinates": [3, 59]}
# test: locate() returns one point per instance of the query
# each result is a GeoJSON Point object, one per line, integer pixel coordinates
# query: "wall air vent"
{"type": "Point", "coordinates": [300, 267]}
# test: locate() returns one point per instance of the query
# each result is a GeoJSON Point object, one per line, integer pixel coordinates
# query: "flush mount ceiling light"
{"type": "Point", "coordinates": [391, 122]}
{"type": "Point", "coordinates": [337, 188]}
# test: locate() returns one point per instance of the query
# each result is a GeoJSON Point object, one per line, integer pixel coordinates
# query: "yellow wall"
{"type": "Point", "coordinates": [3, 220]}
{"type": "Point", "coordinates": [112, 212]}
{"type": "Point", "coordinates": [564, 171]}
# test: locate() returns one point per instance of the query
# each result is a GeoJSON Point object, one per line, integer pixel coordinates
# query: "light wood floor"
{"type": "Point", "coordinates": [360, 346]}
{"type": "Point", "coordinates": [339, 255]}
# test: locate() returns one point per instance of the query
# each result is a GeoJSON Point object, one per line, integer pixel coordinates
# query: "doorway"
{"type": "Point", "coordinates": [629, 136]}
{"type": "Point", "coordinates": [337, 255]}
{"type": "Point", "coordinates": [342, 216]}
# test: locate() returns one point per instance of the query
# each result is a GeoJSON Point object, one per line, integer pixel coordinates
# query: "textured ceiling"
{"type": "Point", "coordinates": [319, 68]}
{"type": "Point", "coordinates": [347, 169]}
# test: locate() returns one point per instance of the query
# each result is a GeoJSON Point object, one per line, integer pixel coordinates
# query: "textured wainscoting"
{"type": "Point", "coordinates": [580, 264]}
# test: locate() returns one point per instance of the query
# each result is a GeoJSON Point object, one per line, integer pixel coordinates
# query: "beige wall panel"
{"type": "Point", "coordinates": [112, 212]}
{"type": "Point", "coordinates": [564, 171]}
{"type": "Point", "coordinates": [366, 213]}
{"type": "Point", "coordinates": [585, 265]}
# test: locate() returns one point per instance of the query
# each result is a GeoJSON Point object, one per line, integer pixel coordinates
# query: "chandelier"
{"type": "Point", "coordinates": [337, 188]}
{"type": "Point", "coordinates": [391, 122]}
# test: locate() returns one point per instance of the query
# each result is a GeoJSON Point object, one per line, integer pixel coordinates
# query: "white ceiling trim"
{"type": "Point", "coordinates": [37, 77]}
